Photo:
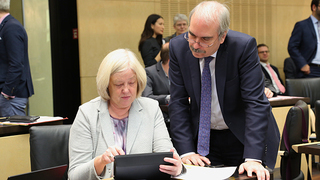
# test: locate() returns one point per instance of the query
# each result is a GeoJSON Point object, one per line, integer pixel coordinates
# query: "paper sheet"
{"type": "Point", "coordinates": [203, 173]}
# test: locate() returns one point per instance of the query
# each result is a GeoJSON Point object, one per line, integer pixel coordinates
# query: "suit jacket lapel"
{"type": "Point", "coordinates": [163, 75]}
{"type": "Point", "coordinates": [134, 123]}
{"type": "Point", "coordinates": [106, 123]}
{"type": "Point", "coordinates": [194, 69]}
{"type": "Point", "coordinates": [311, 26]}
{"type": "Point", "coordinates": [220, 71]}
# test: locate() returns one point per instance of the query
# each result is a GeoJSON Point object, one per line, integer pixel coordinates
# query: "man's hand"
{"type": "Point", "coordinates": [306, 69]}
{"type": "Point", "coordinates": [268, 92]}
{"type": "Point", "coordinates": [196, 159]}
{"type": "Point", "coordinates": [256, 167]}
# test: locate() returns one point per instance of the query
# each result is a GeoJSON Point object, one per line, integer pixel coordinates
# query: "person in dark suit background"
{"type": "Point", "coordinates": [272, 82]}
{"type": "Point", "coordinates": [158, 84]}
{"type": "Point", "coordinates": [303, 45]}
{"type": "Point", "coordinates": [242, 129]}
{"type": "Point", "coordinates": [15, 76]}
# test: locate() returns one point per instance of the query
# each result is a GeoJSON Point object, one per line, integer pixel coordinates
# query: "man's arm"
{"type": "Point", "coordinates": [294, 44]}
{"type": "Point", "coordinates": [179, 107]}
{"type": "Point", "coordinates": [14, 43]}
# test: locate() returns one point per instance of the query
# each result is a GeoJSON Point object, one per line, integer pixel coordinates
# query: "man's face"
{"type": "Point", "coordinates": [200, 32]}
{"type": "Point", "coordinates": [181, 27]}
{"type": "Point", "coordinates": [316, 11]}
{"type": "Point", "coordinates": [263, 53]}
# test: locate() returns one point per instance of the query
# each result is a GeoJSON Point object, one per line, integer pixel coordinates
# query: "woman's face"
{"type": "Point", "coordinates": [158, 27]}
{"type": "Point", "coordinates": [123, 89]}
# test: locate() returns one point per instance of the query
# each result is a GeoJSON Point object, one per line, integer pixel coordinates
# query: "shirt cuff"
{"type": "Point", "coordinates": [249, 159]}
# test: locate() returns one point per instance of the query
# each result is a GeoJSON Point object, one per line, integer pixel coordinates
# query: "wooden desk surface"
{"type": "Point", "coordinates": [8, 130]}
{"type": "Point", "coordinates": [307, 148]}
{"type": "Point", "coordinates": [234, 177]}
{"type": "Point", "coordinates": [287, 100]}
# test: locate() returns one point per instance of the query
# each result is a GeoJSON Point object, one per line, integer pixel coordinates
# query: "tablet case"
{"type": "Point", "coordinates": [22, 119]}
{"type": "Point", "coordinates": [141, 166]}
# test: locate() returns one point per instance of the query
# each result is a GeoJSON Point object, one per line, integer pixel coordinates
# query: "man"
{"type": "Point", "coordinates": [158, 84]}
{"type": "Point", "coordinates": [241, 127]}
{"type": "Point", "coordinates": [303, 44]}
{"type": "Point", "coordinates": [15, 77]}
{"type": "Point", "coordinates": [180, 24]}
{"type": "Point", "coordinates": [274, 82]}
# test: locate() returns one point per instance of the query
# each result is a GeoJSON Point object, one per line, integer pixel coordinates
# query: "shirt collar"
{"type": "Point", "coordinates": [313, 19]}
{"type": "Point", "coordinates": [4, 17]}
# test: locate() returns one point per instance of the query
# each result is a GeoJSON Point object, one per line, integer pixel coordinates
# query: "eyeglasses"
{"type": "Point", "coordinates": [200, 43]}
{"type": "Point", "coordinates": [262, 52]}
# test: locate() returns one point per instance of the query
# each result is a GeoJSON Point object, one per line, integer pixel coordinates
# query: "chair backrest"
{"type": "Point", "coordinates": [317, 118]}
{"type": "Point", "coordinates": [289, 69]}
{"type": "Point", "coordinates": [294, 132]}
{"type": "Point", "coordinates": [304, 87]}
{"type": "Point", "coordinates": [49, 146]}
{"type": "Point", "coordinates": [53, 173]}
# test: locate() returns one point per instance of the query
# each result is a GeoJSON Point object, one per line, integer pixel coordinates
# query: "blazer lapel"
{"type": "Point", "coordinates": [163, 75]}
{"type": "Point", "coordinates": [106, 123]}
{"type": "Point", "coordinates": [134, 123]}
{"type": "Point", "coordinates": [311, 27]}
{"type": "Point", "coordinates": [194, 69]}
{"type": "Point", "coordinates": [220, 71]}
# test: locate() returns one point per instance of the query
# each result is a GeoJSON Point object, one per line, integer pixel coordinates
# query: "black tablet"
{"type": "Point", "coordinates": [141, 166]}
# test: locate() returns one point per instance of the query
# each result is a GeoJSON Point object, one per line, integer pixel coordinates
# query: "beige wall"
{"type": "Point", "coordinates": [105, 25]}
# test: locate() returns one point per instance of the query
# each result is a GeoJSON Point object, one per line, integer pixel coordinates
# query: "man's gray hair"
{"type": "Point", "coordinates": [179, 17]}
{"type": "Point", "coordinates": [4, 5]}
{"type": "Point", "coordinates": [212, 11]}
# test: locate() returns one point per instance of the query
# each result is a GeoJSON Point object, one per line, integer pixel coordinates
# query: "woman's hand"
{"type": "Point", "coordinates": [176, 168]}
{"type": "Point", "coordinates": [107, 157]}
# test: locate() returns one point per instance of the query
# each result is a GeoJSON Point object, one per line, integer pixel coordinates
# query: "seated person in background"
{"type": "Point", "coordinates": [158, 83]}
{"type": "Point", "coordinates": [118, 122]}
{"type": "Point", "coordinates": [289, 69]}
{"type": "Point", "coordinates": [270, 72]}
{"type": "Point", "coordinates": [180, 24]}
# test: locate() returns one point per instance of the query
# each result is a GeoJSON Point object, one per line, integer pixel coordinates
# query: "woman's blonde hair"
{"type": "Point", "coordinates": [117, 61]}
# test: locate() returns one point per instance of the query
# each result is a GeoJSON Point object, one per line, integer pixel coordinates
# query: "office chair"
{"type": "Point", "coordinates": [289, 69]}
{"type": "Point", "coordinates": [296, 121]}
{"type": "Point", "coordinates": [317, 119]}
{"type": "Point", "coordinates": [305, 87]}
{"type": "Point", "coordinates": [49, 146]}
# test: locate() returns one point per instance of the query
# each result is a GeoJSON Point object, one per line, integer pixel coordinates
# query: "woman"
{"type": "Point", "coordinates": [118, 122]}
{"type": "Point", "coordinates": [151, 40]}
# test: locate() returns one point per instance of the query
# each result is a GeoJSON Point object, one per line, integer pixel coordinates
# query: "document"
{"type": "Point", "coordinates": [203, 173]}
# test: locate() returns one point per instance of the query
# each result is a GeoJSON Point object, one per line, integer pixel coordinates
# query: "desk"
{"type": "Point", "coordinates": [280, 101]}
{"type": "Point", "coordinates": [9, 130]}
{"type": "Point", "coordinates": [307, 148]}
{"type": "Point", "coordinates": [15, 148]}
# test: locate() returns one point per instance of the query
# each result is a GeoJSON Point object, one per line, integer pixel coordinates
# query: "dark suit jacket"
{"type": "Point", "coordinates": [15, 75]}
{"type": "Point", "coordinates": [269, 79]}
{"type": "Point", "coordinates": [240, 89]}
{"type": "Point", "coordinates": [157, 84]}
{"type": "Point", "coordinates": [302, 45]}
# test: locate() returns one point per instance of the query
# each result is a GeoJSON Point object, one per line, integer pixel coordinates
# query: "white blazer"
{"type": "Point", "coordinates": [92, 133]}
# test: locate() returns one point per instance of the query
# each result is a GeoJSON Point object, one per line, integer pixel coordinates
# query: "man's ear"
{"type": "Point", "coordinates": [223, 37]}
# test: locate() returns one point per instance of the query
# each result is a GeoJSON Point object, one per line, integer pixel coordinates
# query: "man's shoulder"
{"type": "Point", "coordinates": [152, 68]}
{"type": "Point", "coordinates": [237, 34]}
{"type": "Point", "coordinates": [305, 21]}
